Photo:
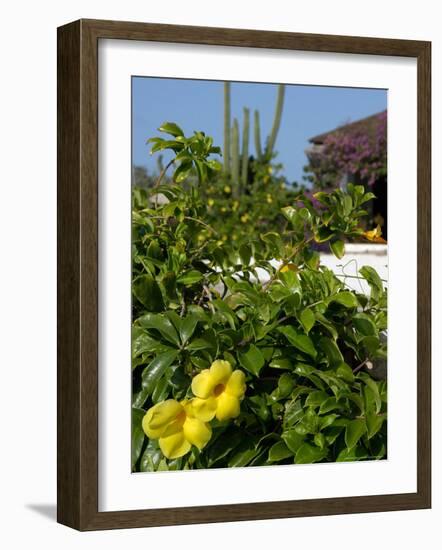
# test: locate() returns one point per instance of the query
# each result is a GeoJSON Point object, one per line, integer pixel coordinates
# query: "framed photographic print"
{"type": "Point", "coordinates": [243, 275]}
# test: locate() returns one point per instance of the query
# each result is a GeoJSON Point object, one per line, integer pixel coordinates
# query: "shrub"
{"type": "Point", "coordinates": [303, 343]}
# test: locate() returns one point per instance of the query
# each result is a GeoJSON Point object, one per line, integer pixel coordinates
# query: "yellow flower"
{"type": "Point", "coordinates": [210, 202]}
{"type": "Point", "coordinates": [375, 235]}
{"type": "Point", "coordinates": [269, 199]}
{"type": "Point", "coordinates": [176, 426]}
{"type": "Point", "coordinates": [245, 218]}
{"type": "Point", "coordinates": [235, 206]}
{"type": "Point", "coordinates": [227, 189]}
{"type": "Point", "coordinates": [288, 267]}
{"type": "Point", "coordinates": [223, 209]}
{"type": "Point", "coordinates": [218, 392]}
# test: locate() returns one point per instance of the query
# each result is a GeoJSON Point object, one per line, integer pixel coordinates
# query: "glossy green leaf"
{"type": "Point", "coordinates": [154, 371]}
{"type": "Point", "coordinates": [190, 277]}
{"type": "Point", "coordinates": [345, 298]}
{"type": "Point", "coordinates": [299, 341]}
{"type": "Point", "coordinates": [308, 454]}
{"type": "Point", "coordinates": [148, 292]}
{"type": "Point", "coordinates": [171, 128]}
{"type": "Point", "coordinates": [307, 319]}
{"type": "Point", "coordinates": [338, 248]}
{"type": "Point", "coordinates": [354, 431]}
{"type": "Point", "coordinates": [279, 451]}
{"type": "Point", "coordinates": [137, 434]}
{"type": "Point", "coordinates": [162, 324]}
{"type": "Point", "coordinates": [364, 324]}
{"type": "Point", "coordinates": [331, 350]}
{"type": "Point", "coordinates": [253, 360]}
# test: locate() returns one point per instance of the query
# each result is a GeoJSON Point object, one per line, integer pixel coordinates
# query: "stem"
{"type": "Point", "coordinates": [163, 172]}
{"type": "Point", "coordinates": [359, 367]}
{"type": "Point", "coordinates": [160, 177]}
{"type": "Point", "coordinates": [202, 223]}
{"type": "Point", "coordinates": [286, 261]}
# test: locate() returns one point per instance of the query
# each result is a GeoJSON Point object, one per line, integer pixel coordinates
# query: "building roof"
{"type": "Point", "coordinates": [366, 125]}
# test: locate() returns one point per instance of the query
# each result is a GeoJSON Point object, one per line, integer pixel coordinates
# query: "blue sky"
{"type": "Point", "coordinates": [198, 105]}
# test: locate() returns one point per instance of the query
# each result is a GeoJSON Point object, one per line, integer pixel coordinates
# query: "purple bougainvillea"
{"type": "Point", "coordinates": [355, 151]}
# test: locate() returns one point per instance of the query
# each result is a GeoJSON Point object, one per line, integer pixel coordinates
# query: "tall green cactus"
{"type": "Point", "coordinates": [257, 132]}
{"type": "Point", "coordinates": [245, 148]}
{"type": "Point", "coordinates": [235, 153]}
{"type": "Point", "coordinates": [236, 163]}
{"type": "Point", "coordinates": [276, 120]}
{"type": "Point", "coordinates": [227, 127]}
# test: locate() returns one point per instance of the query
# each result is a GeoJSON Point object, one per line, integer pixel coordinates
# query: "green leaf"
{"type": "Point", "coordinates": [316, 398]}
{"type": "Point", "coordinates": [183, 171]}
{"type": "Point", "coordinates": [320, 440]}
{"type": "Point", "coordinates": [148, 292]}
{"type": "Point", "coordinates": [286, 384]}
{"type": "Point", "coordinates": [293, 412]}
{"type": "Point", "coordinates": [279, 451]}
{"type": "Point", "coordinates": [307, 319]}
{"type": "Point", "coordinates": [354, 431]}
{"type": "Point", "coordinates": [153, 372]}
{"type": "Point", "coordinates": [253, 360]}
{"type": "Point", "coordinates": [226, 312]}
{"type": "Point", "coordinates": [161, 390]}
{"type": "Point", "coordinates": [344, 372]}
{"type": "Point", "coordinates": [373, 279]}
{"type": "Point", "coordinates": [326, 421]}
{"type": "Point", "coordinates": [242, 458]}
{"type": "Point", "coordinates": [364, 324]}
{"type": "Point", "coordinates": [338, 248]}
{"type": "Point", "coordinates": [350, 455]}
{"type": "Point", "coordinates": [190, 277]}
{"type": "Point", "coordinates": [374, 423]}
{"type": "Point", "coordinates": [162, 324]}
{"type": "Point", "coordinates": [345, 298]}
{"type": "Point", "coordinates": [142, 343]}
{"type": "Point", "coordinates": [171, 128]}
{"type": "Point", "coordinates": [214, 165]}
{"type": "Point", "coordinates": [205, 342]}
{"type": "Point", "coordinates": [329, 404]}
{"type": "Point", "coordinates": [293, 440]}
{"type": "Point", "coordinates": [137, 434]}
{"type": "Point", "coordinates": [299, 341]}
{"type": "Point", "coordinates": [281, 363]}
{"type": "Point", "coordinates": [331, 350]}
{"type": "Point", "coordinates": [187, 328]}
{"type": "Point", "coordinates": [151, 458]}
{"type": "Point", "coordinates": [226, 442]}
{"type": "Point", "coordinates": [308, 454]}
{"type": "Point", "coordinates": [374, 388]}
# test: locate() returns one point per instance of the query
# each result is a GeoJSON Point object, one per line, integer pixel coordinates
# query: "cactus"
{"type": "Point", "coordinates": [257, 132]}
{"type": "Point", "coordinates": [227, 127]}
{"type": "Point", "coordinates": [276, 121]}
{"type": "Point", "coordinates": [245, 148]}
{"type": "Point", "coordinates": [235, 166]}
{"type": "Point", "coordinates": [235, 154]}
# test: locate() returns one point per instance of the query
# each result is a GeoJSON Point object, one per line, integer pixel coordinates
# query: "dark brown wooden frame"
{"type": "Point", "coordinates": [78, 269]}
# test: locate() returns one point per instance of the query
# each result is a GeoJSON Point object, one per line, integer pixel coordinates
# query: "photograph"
{"type": "Point", "coordinates": [259, 274]}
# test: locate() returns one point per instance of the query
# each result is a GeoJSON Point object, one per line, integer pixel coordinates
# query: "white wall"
{"type": "Point", "coordinates": [27, 217]}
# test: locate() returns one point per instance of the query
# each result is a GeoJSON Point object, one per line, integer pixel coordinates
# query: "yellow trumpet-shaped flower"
{"type": "Point", "coordinates": [288, 267]}
{"type": "Point", "coordinates": [375, 235]}
{"type": "Point", "coordinates": [176, 426]}
{"type": "Point", "coordinates": [218, 392]}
